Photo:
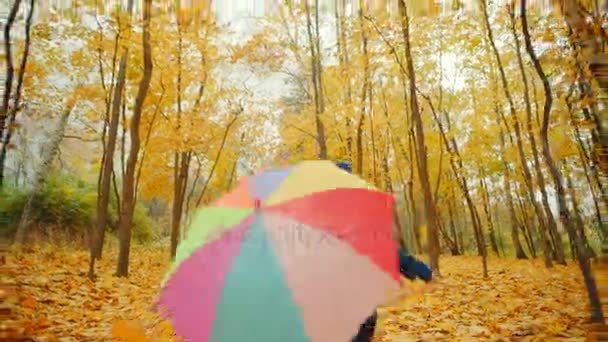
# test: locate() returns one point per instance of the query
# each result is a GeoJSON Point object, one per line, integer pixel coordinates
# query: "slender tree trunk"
{"type": "Point", "coordinates": [342, 45]}
{"type": "Point", "coordinates": [373, 135]}
{"type": "Point", "coordinates": [580, 224]}
{"type": "Point", "coordinates": [519, 251]}
{"type": "Point", "coordinates": [107, 168]}
{"type": "Point", "coordinates": [596, 205]}
{"type": "Point", "coordinates": [551, 224]}
{"type": "Point", "coordinates": [583, 258]}
{"type": "Point", "coordinates": [128, 186]}
{"type": "Point", "coordinates": [588, 39]}
{"type": "Point", "coordinates": [586, 160]}
{"type": "Point", "coordinates": [10, 73]}
{"type": "Point", "coordinates": [218, 156]}
{"type": "Point", "coordinates": [123, 135]}
{"type": "Point", "coordinates": [193, 189]}
{"type": "Point", "coordinates": [458, 170]}
{"type": "Point", "coordinates": [487, 210]}
{"type": "Point", "coordinates": [456, 250]}
{"type": "Point", "coordinates": [364, 92]}
{"type": "Point", "coordinates": [41, 175]}
{"type": "Point", "coordinates": [179, 194]}
{"type": "Point", "coordinates": [421, 152]}
{"type": "Point", "coordinates": [498, 222]}
{"type": "Point", "coordinates": [526, 225]}
{"type": "Point", "coordinates": [94, 235]}
{"type": "Point", "coordinates": [10, 112]}
{"type": "Point", "coordinates": [415, 224]}
{"type": "Point", "coordinates": [315, 60]}
{"type": "Point", "coordinates": [182, 159]}
{"type": "Point", "coordinates": [233, 172]}
{"type": "Point", "coordinates": [522, 157]}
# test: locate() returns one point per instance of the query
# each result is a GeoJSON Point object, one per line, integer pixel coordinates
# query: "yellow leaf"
{"type": "Point", "coordinates": [129, 331]}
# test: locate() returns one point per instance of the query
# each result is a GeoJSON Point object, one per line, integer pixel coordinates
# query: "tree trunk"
{"type": "Point", "coordinates": [583, 258]}
{"type": "Point", "coordinates": [456, 250]}
{"type": "Point", "coordinates": [580, 224]}
{"type": "Point", "coordinates": [41, 174]}
{"type": "Point", "coordinates": [423, 174]}
{"type": "Point", "coordinates": [415, 224]}
{"type": "Point", "coordinates": [486, 208]}
{"type": "Point", "coordinates": [497, 220]}
{"type": "Point", "coordinates": [107, 167]}
{"type": "Point", "coordinates": [458, 170]}
{"type": "Point", "coordinates": [364, 93]}
{"type": "Point", "coordinates": [526, 226]}
{"type": "Point", "coordinates": [373, 136]}
{"type": "Point", "coordinates": [520, 148]}
{"type": "Point", "coordinates": [193, 187]}
{"type": "Point", "coordinates": [181, 160]}
{"type": "Point", "coordinates": [342, 46]}
{"type": "Point", "coordinates": [218, 156]}
{"type": "Point", "coordinates": [315, 60]}
{"type": "Point", "coordinates": [519, 251]}
{"type": "Point", "coordinates": [128, 188]}
{"type": "Point", "coordinates": [93, 232]}
{"type": "Point", "coordinates": [10, 73]}
{"type": "Point", "coordinates": [586, 160]}
{"type": "Point", "coordinates": [551, 224]}
{"type": "Point", "coordinates": [596, 205]}
{"type": "Point", "coordinates": [10, 112]}
{"type": "Point", "coordinates": [589, 39]}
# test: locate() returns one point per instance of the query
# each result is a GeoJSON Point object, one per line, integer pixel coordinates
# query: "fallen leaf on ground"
{"type": "Point", "coordinates": [521, 300]}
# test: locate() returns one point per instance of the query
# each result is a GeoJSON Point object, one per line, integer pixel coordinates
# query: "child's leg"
{"type": "Point", "coordinates": [366, 329]}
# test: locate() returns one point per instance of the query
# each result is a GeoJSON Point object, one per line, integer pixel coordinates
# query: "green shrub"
{"type": "Point", "coordinates": [66, 203]}
{"type": "Point", "coordinates": [11, 204]}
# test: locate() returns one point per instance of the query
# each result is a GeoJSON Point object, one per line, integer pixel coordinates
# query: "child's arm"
{"type": "Point", "coordinates": [412, 268]}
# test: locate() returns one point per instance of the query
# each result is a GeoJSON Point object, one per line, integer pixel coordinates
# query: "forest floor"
{"type": "Point", "coordinates": [520, 301]}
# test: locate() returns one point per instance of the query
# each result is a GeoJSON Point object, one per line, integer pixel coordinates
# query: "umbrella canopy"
{"type": "Point", "coordinates": [299, 254]}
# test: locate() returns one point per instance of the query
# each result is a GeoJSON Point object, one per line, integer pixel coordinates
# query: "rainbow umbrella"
{"type": "Point", "coordinates": [303, 253]}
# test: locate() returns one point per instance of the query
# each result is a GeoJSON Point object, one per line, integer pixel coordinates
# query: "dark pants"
{"type": "Point", "coordinates": [366, 329]}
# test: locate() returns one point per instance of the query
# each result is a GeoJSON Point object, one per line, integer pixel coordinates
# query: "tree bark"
{"type": "Point", "coordinates": [577, 216]}
{"type": "Point", "coordinates": [41, 175]}
{"type": "Point", "coordinates": [520, 149]}
{"type": "Point", "coordinates": [519, 251]}
{"type": "Point", "coordinates": [551, 224]}
{"type": "Point", "coordinates": [128, 188]}
{"type": "Point", "coordinates": [217, 157]}
{"type": "Point", "coordinates": [589, 39]}
{"type": "Point", "coordinates": [10, 112]}
{"type": "Point", "coordinates": [93, 236]}
{"type": "Point", "coordinates": [10, 71]}
{"type": "Point", "coordinates": [423, 174]}
{"type": "Point", "coordinates": [182, 166]}
{"type": "Point", "coordinates": [107, 167]}
{"type": "Point", "coordinates": [458, 170]}
{"type": "Point", "coordinates": [364, 93]}
{"type": "Point", "coordinates": [415, 224]}
{"type": "Point", "coordinates": [526, 225]}
{"type": "Point", "coordinates": [342, 46]}
{"type": "Point", "coordinates": [315, 60]}
{"type": "Point", "coordinates": [583, 258]}
{"type": "Point", "coordinates": [181, 160]}
{"type": "Point", "coordinates": [456, 250]}
{"type": "Point", "coordinates": [587, 160]}
{"type": "Point", "coordinates": [487, 210]}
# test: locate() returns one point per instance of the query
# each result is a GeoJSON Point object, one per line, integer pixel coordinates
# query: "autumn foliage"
{"type": "Point", "coordinates": [484, 120]}
{"type": "Point", "coordinates": [53, 298]}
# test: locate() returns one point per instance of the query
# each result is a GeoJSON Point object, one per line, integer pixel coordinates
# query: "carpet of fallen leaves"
{"type": "Point", "coordinates": [52, 299]}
